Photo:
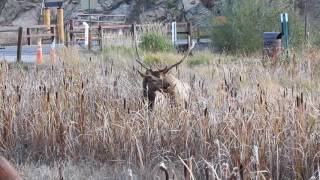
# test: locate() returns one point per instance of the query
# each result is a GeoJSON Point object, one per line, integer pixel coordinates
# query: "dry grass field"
{"type": "Point", "coordinates": [85, 119]}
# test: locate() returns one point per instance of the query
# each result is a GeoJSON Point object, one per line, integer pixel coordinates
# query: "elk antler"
{"type": "Point", "coordinates": [141, 74]}
{"type": "Point", "coordinates": [167, 69]}
{"type": "Point", "coordinates": [137, 52]}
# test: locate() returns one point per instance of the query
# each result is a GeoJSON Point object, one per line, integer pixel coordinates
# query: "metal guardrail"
{"type": "Point", "coordinates": [99, 19]}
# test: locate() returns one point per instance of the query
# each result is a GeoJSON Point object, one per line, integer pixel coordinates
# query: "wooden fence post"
{"type": "Point", "coordinates": [47, 17]}
{"type": "Point", "coordinates": [70, 31]}
{"type": "Point", "coordinates": [133, 31]}
{"type": "Point", "coordinates": [189, 29]}
{"type": "Point", "coordinates": [28, 38]}
{"type": "Point", "coordinates": [60, 24]}
{"type": "Point", "coordinates": [100, 37]}
{"type": "Point", "coordinates": [90, 40]}
{"type": "Point", "coordinates": [19, 45]}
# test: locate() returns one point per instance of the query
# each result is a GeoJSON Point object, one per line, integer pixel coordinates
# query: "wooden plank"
{"type": "Point", "coordinates": [82, 37]}
{"type": "Point", "coordinates": [116, 26]}
{"type": "Point", "coordinates": [40, 35]}
{"type": "Point", "coordinates": [99, 21]}
{"type": "Point", "coordinates": [40, 26]}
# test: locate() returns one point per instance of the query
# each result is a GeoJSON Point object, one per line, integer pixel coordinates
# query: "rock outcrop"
{"type": "Point", "coordinates": [27, 12]}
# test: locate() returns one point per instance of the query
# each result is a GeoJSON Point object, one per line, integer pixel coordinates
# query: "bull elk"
{"type": "Point", "coordinates": [7, 171]}
{"type": "Point", "coordinates": [161, 81]}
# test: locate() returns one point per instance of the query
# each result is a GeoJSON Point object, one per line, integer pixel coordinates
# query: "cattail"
{"type": "Point", "coordinates": [241, 172]}
{"type": "Point", "coordinates": [124, 103]}
{"type": "Point", "coordinates": [206, 112]}
{"type": "Point", "coordinates": [225, 170]}
{"type": "Point", "coordinates": [19, 97]}
{"type": "Point", "coordinates": [209, 173]}
{"type": "Point", "coordinates": [165, 170]}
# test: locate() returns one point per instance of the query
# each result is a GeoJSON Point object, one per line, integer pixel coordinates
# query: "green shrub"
{"type": "Point", "coordinates": [155, 42]}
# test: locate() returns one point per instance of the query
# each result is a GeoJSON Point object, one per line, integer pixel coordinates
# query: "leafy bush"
{"type": "Point", "coordinates": [246, 20]}
{"type": "Point", "coordinates": [155, 42]}
{"type": "Point", "coordinates": [315, 38]}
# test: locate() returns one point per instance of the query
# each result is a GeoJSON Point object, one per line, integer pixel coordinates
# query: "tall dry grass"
{"type": "Point", "coordinates": [242, 118]}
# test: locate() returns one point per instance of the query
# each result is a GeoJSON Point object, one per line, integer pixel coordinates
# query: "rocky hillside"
{"type": "Point", "coordinates": [26, 12]}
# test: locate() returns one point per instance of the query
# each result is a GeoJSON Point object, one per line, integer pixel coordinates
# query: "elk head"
{"type": "Point", "coordinates": [155, 80]}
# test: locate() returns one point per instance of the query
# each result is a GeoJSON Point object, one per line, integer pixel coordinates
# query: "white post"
{"type": "Point", "coordinates": [174, 32]}
{"type": "Point", "coordinates": [86, 34]}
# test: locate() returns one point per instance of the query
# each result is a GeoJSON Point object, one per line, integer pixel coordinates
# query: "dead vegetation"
{"type": "Point", "coordinates": [244, 119]}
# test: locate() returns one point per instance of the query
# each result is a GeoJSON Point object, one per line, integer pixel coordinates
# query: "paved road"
{"type": "Point", "coordinates": [9, 53]}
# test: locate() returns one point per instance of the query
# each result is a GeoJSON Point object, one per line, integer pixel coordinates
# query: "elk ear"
{"type": "Point", "coordinates": [141, 74]}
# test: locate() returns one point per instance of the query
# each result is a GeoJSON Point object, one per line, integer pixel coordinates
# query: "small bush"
{"type": "Point", "coordinates": [155, 42]}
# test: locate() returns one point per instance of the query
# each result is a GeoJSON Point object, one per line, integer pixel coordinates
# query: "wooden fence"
{"type": "Point", "coordinates": [76, 32]}
{"type": "Point", "coordinates": [28, 34]}
{"type": "Point", "coordinates": [41, 31]}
